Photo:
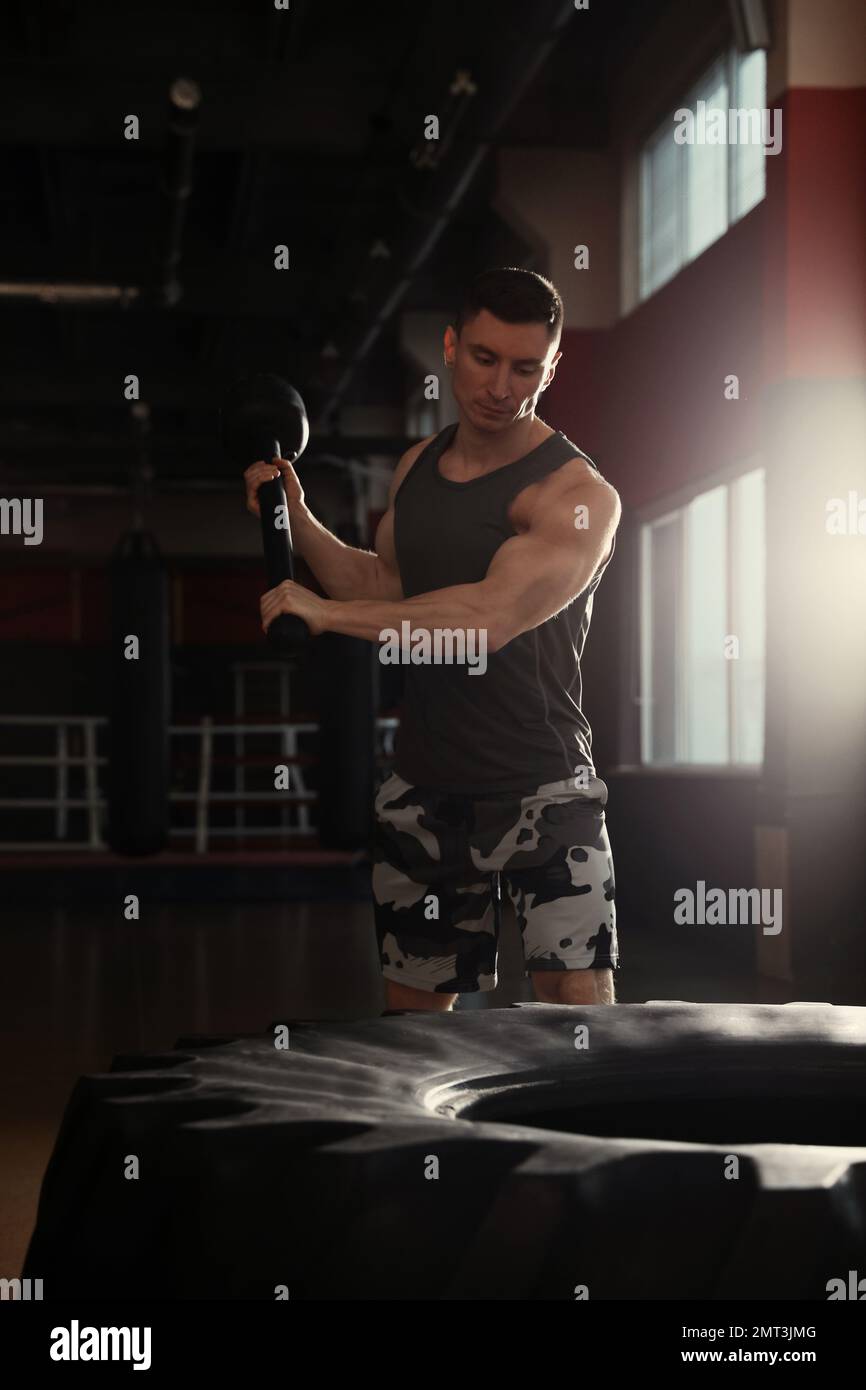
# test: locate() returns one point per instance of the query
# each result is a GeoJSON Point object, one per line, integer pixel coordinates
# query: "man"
{"type": "Point", "coordinates": [497, 529]}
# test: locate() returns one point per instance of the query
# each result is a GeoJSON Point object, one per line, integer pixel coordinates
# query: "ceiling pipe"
{"type": "Point", "coordinates": [51, 292]}
{"type": "Point", "coordinates": [177, 161]}
{"type": "Point", "coordinates": [524, 51]}
{"type": "Point", "coordinates": [184, 103]}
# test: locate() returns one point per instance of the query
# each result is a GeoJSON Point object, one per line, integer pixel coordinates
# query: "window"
{"type": "Point", "coordinates": [691, 193]}
{"type": "Point", "coordinates": [702, 628]}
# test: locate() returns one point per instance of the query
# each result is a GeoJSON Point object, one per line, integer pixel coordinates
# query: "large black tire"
{"type": "Point", "coordinates": [306, 1168]}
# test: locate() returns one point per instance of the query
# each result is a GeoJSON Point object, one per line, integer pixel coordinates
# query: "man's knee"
{"type": "Point", "coordinates": [573, 986]}
{"type": "Point", "coordinates": [399, 996]}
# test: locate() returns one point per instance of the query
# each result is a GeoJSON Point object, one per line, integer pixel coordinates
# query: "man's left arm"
{"type": "Point", "coordinates": [531, 577]}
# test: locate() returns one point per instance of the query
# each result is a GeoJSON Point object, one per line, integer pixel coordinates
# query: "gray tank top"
{"type": "Point", "coordinates": [519, 726]}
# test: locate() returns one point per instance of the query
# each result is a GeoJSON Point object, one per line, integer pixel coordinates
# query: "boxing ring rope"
{"type": "Point", "coordinates": [203, 798]}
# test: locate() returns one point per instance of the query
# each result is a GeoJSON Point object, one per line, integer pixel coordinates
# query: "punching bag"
{"type": "Point", "coordinates": [138, 754]}
{"type": "Point", "coordinates": [347, 688]}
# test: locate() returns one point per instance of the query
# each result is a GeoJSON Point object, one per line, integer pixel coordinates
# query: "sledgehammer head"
{"type": "Point", "coordinates": [259, 411]}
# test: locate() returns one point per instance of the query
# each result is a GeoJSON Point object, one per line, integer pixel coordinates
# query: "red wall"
{"type": "Point", "coordinates": [815, 293]}
{"type": "Point", "coordinates": [781, 295]}
{"type": "Point", "coordinates": [645, 398]}
{"type": "Point", "coordinates": [216, 603]}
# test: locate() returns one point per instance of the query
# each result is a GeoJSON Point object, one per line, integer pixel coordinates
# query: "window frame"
{"type": "Point", "coordinates": [673, 510]}
{"type": "Point", "coordinates": [730, 59]}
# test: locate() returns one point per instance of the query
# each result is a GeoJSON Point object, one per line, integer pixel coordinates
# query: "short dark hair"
{"type": "Point", "coordinates": [513, 295]}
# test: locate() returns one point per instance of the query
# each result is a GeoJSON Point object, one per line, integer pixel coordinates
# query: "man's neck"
{"type": "Point", "coordinates": [481, 451]}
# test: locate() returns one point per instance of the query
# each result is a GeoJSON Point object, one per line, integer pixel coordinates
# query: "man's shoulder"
{"type": "Point", "coordinates": [575, 482]}
{"type": "Point", "coordinates": [586, 466]}
{"type": "Point", "coordinates": [407, 461]}
{"type": "Point", "coordinates": [578, 471]}
{"type": "Point", "coordinates": [416, 450]}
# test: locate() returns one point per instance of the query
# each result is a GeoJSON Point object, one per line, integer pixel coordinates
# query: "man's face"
{"type": "Point", "coordinates": [499, 369]}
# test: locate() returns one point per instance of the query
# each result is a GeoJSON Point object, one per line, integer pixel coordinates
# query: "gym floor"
{"type": "Point", "coordinates": [81, 987]}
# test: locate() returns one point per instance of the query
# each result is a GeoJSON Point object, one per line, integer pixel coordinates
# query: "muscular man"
{"type": "Point", "coordinates": [497, 528]}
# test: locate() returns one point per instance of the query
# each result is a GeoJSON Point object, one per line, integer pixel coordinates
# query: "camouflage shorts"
{"type": "Point", "coordinates": [440, 864]}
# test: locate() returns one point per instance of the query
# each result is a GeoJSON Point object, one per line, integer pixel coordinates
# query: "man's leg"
{"type": "Point", "coordinates": [399, 996]}
{"type": "Point", "coordinates": [573, 986]}
{"type": "Point", "coordinates": [434, 919]}
{"type": "Point", "coordinates": [560, 880]}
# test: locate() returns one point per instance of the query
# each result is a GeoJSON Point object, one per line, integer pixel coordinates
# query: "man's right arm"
{"type": "Point", "coordinates": [343, 571]}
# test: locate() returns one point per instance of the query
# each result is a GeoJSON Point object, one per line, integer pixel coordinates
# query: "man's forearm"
{"type": "Point", "coordinates": [459, 607]}
{"type": "Point", "coordinates": [342, 571]}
